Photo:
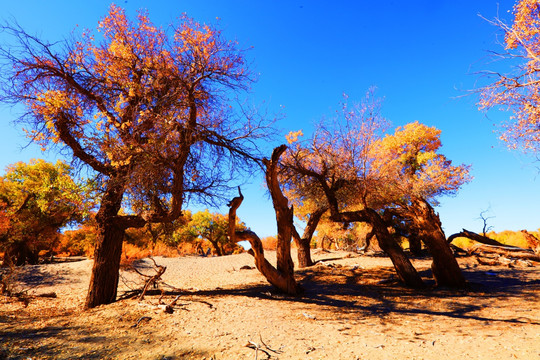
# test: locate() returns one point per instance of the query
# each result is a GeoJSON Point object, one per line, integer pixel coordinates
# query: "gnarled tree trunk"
{"type": "Point", "coordinates": [281, 276]}
{"type": "Point", "coordinates": [445, 267]}
{"type": "Point", "coordinates": [404, 268]}
{"type": "Point", "coordinates": [215, 245]}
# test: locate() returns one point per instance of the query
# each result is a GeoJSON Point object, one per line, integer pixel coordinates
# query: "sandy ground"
{"type": "Point", "coordinates": [351, 309]}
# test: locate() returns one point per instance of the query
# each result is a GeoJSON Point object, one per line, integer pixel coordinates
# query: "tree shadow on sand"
{"type": "Point", "coordinates": [72, 342]}
{"type": "Point", "coordinates": [376, 293]}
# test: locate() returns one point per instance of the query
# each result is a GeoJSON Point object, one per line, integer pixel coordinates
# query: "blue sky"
{"type": "Point", "coordinates": [423, 57]}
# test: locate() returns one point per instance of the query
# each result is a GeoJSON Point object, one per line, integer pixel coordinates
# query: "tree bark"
{"type": "Point", "coordinates": [105, 272]}
{"type": "Point", "coordinates": [475, 237]}
{"type": "Point", "coordinates": [445, 267]}
{"type": "Point", "coordinates": [282, 276]}
{"type": "Point", "coordinates": [216, 247]}
{"type": "Point", "coordinates": [272, 275]}
{"type": "Point", "coordinates": [303, 243]}
{"type": "Point", "coordinates": [303, 247]}
{"type": "Point", "coordinates": [403, 266]}
{"type": "Point", "coordinates": [284, 218]}
{"type": "Point", "coordinates": [108, 252]}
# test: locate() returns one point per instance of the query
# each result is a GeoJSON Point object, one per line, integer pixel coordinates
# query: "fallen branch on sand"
{"type": "Point", "coordinates": [266, 349]}
{"type": "Point", "coordinates": [505, 255]}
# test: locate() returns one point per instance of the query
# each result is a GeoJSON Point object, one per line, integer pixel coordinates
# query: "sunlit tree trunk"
{"type": "Point", "coordinates": [281, 276]}
{"type": "Point", "coordinates": [304, 252]}
{"type": "Point", "coordinates": [303, 243]}
{"type": "Point", "coordinates": [445, 267]}
{"type": "Point", "coordinates": [108, 251]}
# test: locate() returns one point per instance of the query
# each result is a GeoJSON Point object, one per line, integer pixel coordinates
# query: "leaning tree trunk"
{"type": "Point", "coordinates": [475, 237]}
{"type": "Point", "coordinates": [282, 276]}
{"type": "Point", "coordinates": [445, 267]}
{"type": "Point", "coordinates": [404, 268]}
{"type": "Point", "coordinates": [108, 252]}
{"type": "Point", "coordinates": [303, 243]}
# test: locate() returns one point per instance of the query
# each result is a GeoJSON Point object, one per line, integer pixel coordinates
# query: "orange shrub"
{"type": "Point", "coordinates": [269, 243]}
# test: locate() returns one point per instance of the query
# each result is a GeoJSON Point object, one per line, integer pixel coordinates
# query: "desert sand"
{"type": "Point", "coordinates": [352, 308]}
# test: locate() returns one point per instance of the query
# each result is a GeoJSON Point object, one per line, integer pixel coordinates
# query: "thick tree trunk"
{"type": "Point", "coordinates": [272, 275]}
{"type": "Point", "coordinates": [445, 267]}
{"type": "Point", "coordinates": [285, 225]}
{"type": "Point", "coordinates": [303, 243]}
{"type": "Point", "coordinates": [105, 272]}
{"type": "Point", "coordinates": [216, 247]}
{"type": "Point", "coordinates": [404, 268]}
{"type": "Point", "coordinates": [108, 252]}
{"type": "Point", "coordinates": [304, 252]}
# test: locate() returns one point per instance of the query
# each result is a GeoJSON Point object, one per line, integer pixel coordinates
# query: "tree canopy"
{"type": "Point", "coordinates": [519, 89]}
{"type": "Point", "coordinates": [37, 200]}
{"type": "Point", "coordinates": [152, 112]}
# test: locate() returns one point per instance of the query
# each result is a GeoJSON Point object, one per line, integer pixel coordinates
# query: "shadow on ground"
{"type": "Point", "coordinates": [72, 342]}
{"type": "Point", "coordinates": [376, 293]}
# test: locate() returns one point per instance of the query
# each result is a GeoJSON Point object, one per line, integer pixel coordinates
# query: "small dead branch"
{"type": "Point", "coordinates": [152, 280]}
{"type": "Point", "coordinates": [142, 318]}
{"type": "Point", "coordinates": [278, 351]}
{"type": "Point", "coordinates": [257, 347]}
{"type": "Point", "coordinates": [262, 347]}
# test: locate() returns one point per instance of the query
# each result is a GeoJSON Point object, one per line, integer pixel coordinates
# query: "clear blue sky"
{"type": "Point", "coordinates": [422, 56]}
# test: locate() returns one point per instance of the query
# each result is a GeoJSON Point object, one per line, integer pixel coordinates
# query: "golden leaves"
{"type": "Point", "coordinates": [293, 136]}
{"type": "Point", "coordinates": [520, 90]}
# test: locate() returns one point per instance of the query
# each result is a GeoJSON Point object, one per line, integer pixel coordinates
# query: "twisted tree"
{"type": "Point", "coordinates": [281, 276]}
{"type": "Point", "coordinates": [148, 111]}
{"type": "Point", "coordinates": [385, 181]}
